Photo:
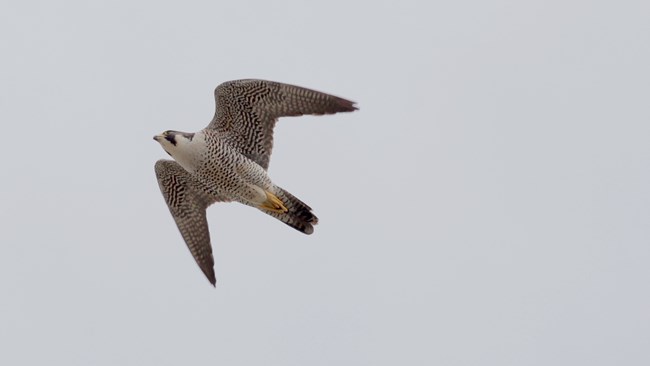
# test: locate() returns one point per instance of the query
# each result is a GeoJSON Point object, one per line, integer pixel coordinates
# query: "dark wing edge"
{"type": "Point", "coordinates": [188, 206]}
{"type": "Point", "coordinates": [246, 112]}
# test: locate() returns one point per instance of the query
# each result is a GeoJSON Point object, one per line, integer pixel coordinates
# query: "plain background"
{"type": "Point", "coordinates": [488, 204]}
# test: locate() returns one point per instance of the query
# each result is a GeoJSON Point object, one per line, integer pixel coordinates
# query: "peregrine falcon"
{"type": "Point", "coordinates": [228, 160]}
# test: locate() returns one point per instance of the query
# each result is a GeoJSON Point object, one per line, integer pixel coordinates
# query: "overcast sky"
{"type": "Point", "coordinates": [488, 205]}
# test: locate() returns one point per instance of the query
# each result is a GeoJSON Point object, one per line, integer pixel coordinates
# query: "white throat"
{"type": "Point", "coordinates": [188, 153]}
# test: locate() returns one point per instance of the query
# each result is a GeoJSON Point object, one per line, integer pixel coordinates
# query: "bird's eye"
{"type": "Point", "coordinates": [170, 138]}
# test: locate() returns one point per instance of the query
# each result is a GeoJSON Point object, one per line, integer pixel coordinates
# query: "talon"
{"type": "Point", "coordinates": [273, 203]}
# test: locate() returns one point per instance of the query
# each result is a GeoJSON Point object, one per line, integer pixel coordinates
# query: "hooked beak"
{"type": "Point", "coordinates": [158, 137]}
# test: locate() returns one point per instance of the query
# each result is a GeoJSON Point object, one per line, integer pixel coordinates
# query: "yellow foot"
{"type": "Point", "coordinates": [273, 203]}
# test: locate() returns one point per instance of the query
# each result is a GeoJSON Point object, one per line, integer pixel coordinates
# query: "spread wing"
{"type": "Point", "coordinates": [187, 205]}
{"type": "Point", "coordinates": [248, 109]}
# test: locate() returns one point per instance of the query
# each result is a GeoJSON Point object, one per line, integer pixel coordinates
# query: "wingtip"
{"type": "Point", "coordinates": [347, 105]}
{"type": "Point", "coordinates": [209, 274]}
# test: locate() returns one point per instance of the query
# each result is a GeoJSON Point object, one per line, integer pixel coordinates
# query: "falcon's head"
{"type": "Point", "coordinates": [173, 141]}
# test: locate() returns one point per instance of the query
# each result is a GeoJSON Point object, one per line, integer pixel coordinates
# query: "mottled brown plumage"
{"type": "Point", "coordinates": [227, 161]}
{"type": "Point", "coordinates": [248, 109]}
{"type": "Point", "coordinates": [187, 205]}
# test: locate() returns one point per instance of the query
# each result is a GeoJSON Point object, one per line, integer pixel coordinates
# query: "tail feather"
{"type": "Point", "coordinates": [298, 216]}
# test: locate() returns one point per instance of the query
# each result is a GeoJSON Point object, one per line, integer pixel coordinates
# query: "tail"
{"type": "Point", "coordinates": [298, 215]}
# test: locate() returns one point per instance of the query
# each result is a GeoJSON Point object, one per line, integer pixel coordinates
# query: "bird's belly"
{"type": "Point", "coordinates": [219, 180]}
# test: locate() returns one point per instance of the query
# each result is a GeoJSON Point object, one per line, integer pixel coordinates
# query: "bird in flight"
{"type": "Point", "coordinates": [228, 160]}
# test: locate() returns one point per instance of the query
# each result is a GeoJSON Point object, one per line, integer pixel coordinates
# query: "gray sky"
{"type": "Point", "coordinates": [488, 205]}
